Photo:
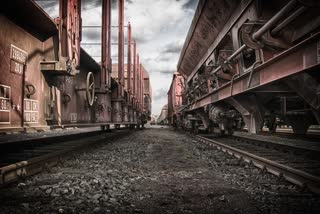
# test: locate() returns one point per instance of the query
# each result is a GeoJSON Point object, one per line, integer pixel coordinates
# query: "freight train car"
{"type": "Point", "coordinates": [46, 78]}
{"type": "Point", "coordinates": [144, 101]}
{"type": "Point", "coordinates": [252, 63]}
{"type": "Point", "coordinates": [175, 100]}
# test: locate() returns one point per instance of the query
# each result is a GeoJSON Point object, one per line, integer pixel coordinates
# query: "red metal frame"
{"type": "Point", "coordinates": [105, 48]}
{"type": "Point", "coordinates": [138, 81]}
{"type": "Point", "coordinates": [120, 41]}
{"type": "Point", "coordinates": [134, 70]}
{"type": "Point", "coordinates": [299, 58]}
{"type": "Point", "coordinates": [141, 86]}
{"type": "Point", "coordinates": [129, 60]}
{"type": "Point", "coordinates": [69, 29]}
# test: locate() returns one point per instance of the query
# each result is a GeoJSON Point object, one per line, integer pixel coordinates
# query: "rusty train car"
{"type": "Point", "coordinates": [175, 99]}
{"type": "Point", "coordinates": [144, 91]}
{"type": "Point", "coordinates": [251, 63]}
{"type": "Point", "coordinates": [47, 80]}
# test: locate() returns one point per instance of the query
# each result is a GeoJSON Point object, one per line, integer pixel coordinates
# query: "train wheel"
{"type": "Point", "coordinates": [230, 131]}
{"type": "Point", "coordinates": [196, 130]}
{"type": "Point", "coordinates": [272, 128]}
{"type": "Point", "coordinates": [299, 124]}
{"type": "Point", "coordinates": [90, 88]}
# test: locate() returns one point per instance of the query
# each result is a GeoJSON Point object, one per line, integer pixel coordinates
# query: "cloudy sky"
{"type": "Point", "coordinates": [159, 27]}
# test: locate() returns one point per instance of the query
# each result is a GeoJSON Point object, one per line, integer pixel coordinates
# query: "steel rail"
{"type": "Point", "coordinates": [22, 169]}
{"type": "Point", "coordinates": [297, 177]}
{"type": "Point", "coordinates": [290, 135]}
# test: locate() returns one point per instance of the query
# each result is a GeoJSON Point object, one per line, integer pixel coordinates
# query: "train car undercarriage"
{"type": "Point", "coordinates": [252, 65]}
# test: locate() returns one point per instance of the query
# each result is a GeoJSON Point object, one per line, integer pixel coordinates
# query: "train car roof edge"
{"type": "Point", "coordinates": [39, 24]}
{"type": "Point", "coordinates": [191, 30]}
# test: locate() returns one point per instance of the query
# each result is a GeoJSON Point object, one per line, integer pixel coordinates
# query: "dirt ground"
{"type": "Point", "coordinates": [157, 170]}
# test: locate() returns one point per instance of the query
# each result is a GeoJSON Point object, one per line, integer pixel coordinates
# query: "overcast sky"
{"type": "Point", "coordinates": [159, 27]}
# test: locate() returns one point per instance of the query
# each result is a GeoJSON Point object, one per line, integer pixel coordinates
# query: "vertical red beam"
{"type": "Point", "coordinates": [104, 47]}
{"type": "Point", "coordinates": [120, 42]}
{"type": "Point", "coordinates": [77, 31]}
{"type": "Point", "coordinates": [138, 79]}
{"type": "Point", "coordinates": [134, 68]}
{"type": "Point", "coordinates": [142, 87]}
{"type": "Point", "coordinates": [142, 84]}
{"type": "Point", "coordinates": [63, 43]}
{"type": "Point", "coordinates": [139, 85]}
{"type": "Point", "coordinates": [69, 23]}
{"type": "Point", "coordinates": [109, 63]}
{"type": "Point", "coordinates": [129, 59]}
{"type": "Point", "coordinates": [70, 29]}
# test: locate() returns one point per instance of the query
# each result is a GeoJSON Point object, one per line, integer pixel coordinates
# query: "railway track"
{"type": "Point", "coordinates": [285, 134]}
{"type": "Point", "coordinates": [24, 158]}
{"type": "Point", "coordinates": [297, 165]}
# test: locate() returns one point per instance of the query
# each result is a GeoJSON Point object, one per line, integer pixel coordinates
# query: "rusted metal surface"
{"type": "Point", "coordinates": [48, 80]}
{"type": "Point", "coordinates": [175, 97]}
{"type": "Point", "coordinates": [209, 19]}
{"type": "Point", "coordinates": [69, 28]}
{"type": "Point", "coordinates": [138, 82]}
{"type": "Point", "coordinates": [20, 55]}
{"type": "Point", "coordinates": [40, 25]}
{"type": "Point", "coordinates": [117, 111]}
{"type": "Point", "coordinates": [141, 87]}
{"type": "Point", "coordinates": [260, 50]}
{"type": "Point", "coordinates": [68, 55]}
{"type": "Point", "coordinates": [134, 71]}
{"type": "Point", "coordinates": [235, 17]}
{"type": "Point", "coordinates": [297, 59]}
{"type": "Point", "coordinates": [120, 40]}
{"type": "Point", "coordinates": [105, 42]}
{"type": "Point", "coordinates": [129, 60]}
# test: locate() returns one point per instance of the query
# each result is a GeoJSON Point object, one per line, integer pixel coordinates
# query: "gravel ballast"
{"type": "Point", "coordinates": [157, 170]}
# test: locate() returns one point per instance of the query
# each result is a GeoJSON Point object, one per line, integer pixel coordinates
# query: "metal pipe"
{"type": "Point", "coordinates": [120, 38]}
{"type": "Point", "coordinates": [129, 60]}
{"type": "Point", "coordinates": [234, 55]}
{"type": "Point", "coordinates": [274, 19]}
{"type": "Point", "coordinates": [288, 20]}
{"type": "Point", "coordinates": [134, 67]}
{"type": "Point", "coordinates": [216, 70]}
